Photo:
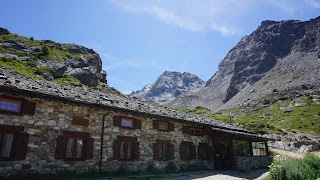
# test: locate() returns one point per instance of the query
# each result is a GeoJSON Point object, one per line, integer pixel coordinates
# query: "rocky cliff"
{"type": "Point", "coordinates": [65, 63]}
{"type": "Point", "coordinates": [278, 55]}
{"type": "Point", "coordinates": [168, 86]}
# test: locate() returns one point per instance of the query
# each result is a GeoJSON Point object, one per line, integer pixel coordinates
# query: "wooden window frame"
{"type": "Point", "coordinates": [195, 131]}
{"type": "Point", "coordinates": [62, 145]}
{"type": "Point", "coordinates": [134, 151]}
{"type": "Point", "coordinates": [157, 123]}
{"type": "Point", "coordinates": [166, 124]}
{"type": "Point", "coordinates": [169, 150]}
{"type": "Point", "coordinates": [259, 146]}
{"type": "Point", "coordinates": [136, 123]}
{"type": "Point", "coordinates": [18, 145]}
{"type": "Point", "coordinates": [19, 101]}
{"type": "Point", "coordinates": [25, 107]}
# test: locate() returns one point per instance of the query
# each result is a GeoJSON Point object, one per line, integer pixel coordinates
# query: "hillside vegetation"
{"type": "Point", "coordinates": [67, 64]}
{"type": "Point", "coordinates": [301, 114]}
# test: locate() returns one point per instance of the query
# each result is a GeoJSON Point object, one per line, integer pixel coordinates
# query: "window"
{"type": "Point", "coordinates": [126, 149]}
{"type": "Point", "coordinates": [13, 143]}
{"type": "Point", "coordinates": [127, 122]}
{"type": "Point", "coordinates": [163, 150]}
{"type": "Point", "coordinates": [16, 106]}
{"type": "Point", "coordinates": [75, 146]}
{"type": "Point", "coordinates": [203, 151]}
{"type": "Point", "coordinates": [187, 151]}
{"type": "Point", "coordinates": [192, 130]}
{"type": "Point", "coordinates": [241, 148]}
{"type": "Point", "coordinates": [259, 149]}
{"type": "Point", "coordinates": [10, 105]}
{"type": "Point", "coordinates": [163, 125]}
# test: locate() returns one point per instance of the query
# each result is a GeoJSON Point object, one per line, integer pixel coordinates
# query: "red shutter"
{"type": "Point", "coordinates": [183, 152]}
{"type": "Point", "coordinates": [194, 152]}
{"type": "Point", "coordinates": [61, 147]}
{"type": "Point", "coordinates": [206, 131]}
{"type": "Point", "coordinates": [116, 121]}
{"type": "Point", "coordinates": [116, 149]}
{"type": "Point", "coordinates": [136, 150]}
{"type": "Point", "coordinates": [21, 146]}
{"type": "Point", "coordinates": [155, 151]}
{"type": "Point", "coordinates": [186, 129]}
{"type": "Point", "coordinates": [170, 152]}
{"type": "Point", "coordinates": [89, 148]}
{"type": "Point", "coordinates": [171, 126]}
{"type": "Point", "coordinates": [28, 107]}
{"type": "Point", "coordinates": [137, 124]}
{"type": "Point", "coordinates": [155, 124]}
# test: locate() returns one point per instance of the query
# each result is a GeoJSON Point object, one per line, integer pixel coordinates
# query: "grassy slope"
{"type": "Point", "coordinates": [29, 67]}
{"type": "Point", "coordinates": [301, 115]}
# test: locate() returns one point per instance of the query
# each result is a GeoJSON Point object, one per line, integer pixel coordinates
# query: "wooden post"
{"type": "Point", "coordinates": [266, 145]}
{"type": "Point", "coordinates": [251, 151]}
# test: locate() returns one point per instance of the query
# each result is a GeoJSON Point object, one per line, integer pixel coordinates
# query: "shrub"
{"type": "Point", "coordinates": [306, 168]}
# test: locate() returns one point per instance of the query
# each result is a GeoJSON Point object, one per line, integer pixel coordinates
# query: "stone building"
{"type": "Point", "coordinates": [45, 127]}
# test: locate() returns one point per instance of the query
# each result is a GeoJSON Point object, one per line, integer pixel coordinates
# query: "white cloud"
{"type": "Point", "coordinates": [313, 3]}
{"type": "Point", "coordinates": [286, 6]}
{"type": "Point", "coordinates": [188, 15]}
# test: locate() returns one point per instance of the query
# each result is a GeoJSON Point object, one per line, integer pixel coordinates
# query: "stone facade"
{"type": "Point", "coordinates": [51, 118]}
{"type": "Point", "coordinates": [252, 162]}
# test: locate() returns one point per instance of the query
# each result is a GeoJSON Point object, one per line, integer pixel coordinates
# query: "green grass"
{"type": "Point", "coordinates": [292, 169]}
{"type": "Point", "coordinates": [278, 117]}
{"type": "Point", "coordinates": [67, 80]}
{"type": "Point", "coordinates": [22, 67]}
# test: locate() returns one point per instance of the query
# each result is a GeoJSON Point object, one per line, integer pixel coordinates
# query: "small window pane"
{"type": "Point", "coordinates": [163, 126]}
{"type": "Point", "coordinates": [259, 149]}
{"type": "Point", "coordinates": [7, 145]}
{"type": "Point", "coordinates": [7, 105]}
{"type": "Point", "coordinates": [79, 145]}
{"type": "Point", "coordinates": [70, 148]}
{"type": "Point", "coordinates": [127, 122]}
{"type": "Point", "coordinates": [192, 130]}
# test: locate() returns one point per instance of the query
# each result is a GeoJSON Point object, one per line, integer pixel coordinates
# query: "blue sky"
{"type": "Point", "coordinates": [138, 40]}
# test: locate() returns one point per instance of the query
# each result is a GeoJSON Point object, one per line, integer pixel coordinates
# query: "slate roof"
{"type": "Point", "coordinates": [12, 81]}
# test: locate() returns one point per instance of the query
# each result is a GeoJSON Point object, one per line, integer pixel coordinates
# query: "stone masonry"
{"type": "Point", "coordinates": [52, 117]}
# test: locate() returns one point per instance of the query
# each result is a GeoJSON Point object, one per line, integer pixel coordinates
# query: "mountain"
{"type": "Point", "coordinates": [45, 59]}
{"type": "Point", "coordinates": [168, 86]}
{"type": "Point", "coordinates": [277, 56]}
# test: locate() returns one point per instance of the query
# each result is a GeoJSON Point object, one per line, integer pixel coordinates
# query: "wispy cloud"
{"type": "Point", "coordinates": [313, 3]}
{"type": "Point", "coordinates": [285, 6]}
{"type": "Point", "coordinates": [190, 16]}
{"type": "Point", "coordinates": [111, 62]}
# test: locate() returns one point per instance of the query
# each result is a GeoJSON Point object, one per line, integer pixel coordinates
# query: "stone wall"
{"type": "Point", "coordinates": [51, 118]}
{"type": "Point", "coordinates": [252, 162]}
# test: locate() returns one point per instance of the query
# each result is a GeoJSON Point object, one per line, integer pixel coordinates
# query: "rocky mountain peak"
{"type": "Point", "coordinates": [168, 86]}
{"type": "Point", "coordinates": [278, 54]}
